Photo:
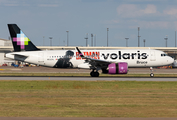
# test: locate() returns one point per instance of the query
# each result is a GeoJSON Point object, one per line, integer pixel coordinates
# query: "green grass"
{"type": "Point", "coordinates": [88, 99]}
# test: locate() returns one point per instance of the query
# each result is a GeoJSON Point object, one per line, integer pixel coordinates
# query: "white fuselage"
{"type": "Point", "coordinates": [71, 58]}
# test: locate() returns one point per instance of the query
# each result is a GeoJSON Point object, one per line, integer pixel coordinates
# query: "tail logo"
{"type": "Point", "coordinates": [21, 40]}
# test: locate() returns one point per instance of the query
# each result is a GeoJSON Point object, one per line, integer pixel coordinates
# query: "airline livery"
{"type": "Point", "coordinates": [109, 61]}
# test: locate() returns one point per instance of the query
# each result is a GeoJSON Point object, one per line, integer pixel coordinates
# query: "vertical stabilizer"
{"type": "Point", "coordinates": [19, 40]}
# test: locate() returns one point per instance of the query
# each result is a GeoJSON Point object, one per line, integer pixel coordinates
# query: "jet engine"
{"type": "Point", "coordinates": [118, 68]}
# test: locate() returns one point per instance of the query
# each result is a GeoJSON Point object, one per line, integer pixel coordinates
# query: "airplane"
{"type": "Point", "coordinates": [114, 61]}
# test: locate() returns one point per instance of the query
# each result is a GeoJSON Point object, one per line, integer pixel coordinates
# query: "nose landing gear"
{"type": "Point", "coordinates": [151, 74]}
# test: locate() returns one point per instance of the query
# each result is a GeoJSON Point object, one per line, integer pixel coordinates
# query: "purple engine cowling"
{"type": "Point", "coordinates": [118, 68]}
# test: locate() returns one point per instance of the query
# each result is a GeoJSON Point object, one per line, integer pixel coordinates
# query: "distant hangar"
{"type": "Point", "coordinates": [6, 46]}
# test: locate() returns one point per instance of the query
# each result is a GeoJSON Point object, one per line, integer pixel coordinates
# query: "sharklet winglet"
{"type": "Point", "coordinates": [80, 53]}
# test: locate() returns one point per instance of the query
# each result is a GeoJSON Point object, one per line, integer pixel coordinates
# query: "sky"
{"type": "Point", "coordinates": [41, 19]}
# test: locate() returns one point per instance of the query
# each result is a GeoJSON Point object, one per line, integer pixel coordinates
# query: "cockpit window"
{"type": "Point", "coordinates": [163, 54]}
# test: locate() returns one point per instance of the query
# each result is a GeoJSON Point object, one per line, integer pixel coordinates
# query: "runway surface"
{"type": "Point", "coordinates": [10, 69]}
{"type": "Point", "coordinates": [88, 78]}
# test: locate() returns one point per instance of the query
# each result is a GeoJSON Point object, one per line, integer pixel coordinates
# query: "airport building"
{"type": "Point", "coordinates": [8, 44]}
{"type": "Point", "coordinates": [6, 47]}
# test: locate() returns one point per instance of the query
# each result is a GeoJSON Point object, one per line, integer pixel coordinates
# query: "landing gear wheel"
{"type": "Point", "coordinates": [152, 75]}
{"type": "Point", "coordinates": [94, 74]}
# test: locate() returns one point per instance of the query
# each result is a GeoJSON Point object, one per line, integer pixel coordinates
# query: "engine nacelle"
{"type": "Point", "coordinates": [118, 68]}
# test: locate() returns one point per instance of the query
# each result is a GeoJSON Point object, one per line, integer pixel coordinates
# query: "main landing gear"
{"type": "Point", "coordinates": [152, 74]}
{"type": "Point", "coordinates": [94, 74]}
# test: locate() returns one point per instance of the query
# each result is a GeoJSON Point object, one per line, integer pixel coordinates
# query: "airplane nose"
{"type": "Point", "coordinates": [170, 60]}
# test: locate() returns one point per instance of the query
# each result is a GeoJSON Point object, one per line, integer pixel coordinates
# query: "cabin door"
{"type": "Point", "coordinates": [40, 58]}
{"type": "Point", "coordinates": [152, 56]}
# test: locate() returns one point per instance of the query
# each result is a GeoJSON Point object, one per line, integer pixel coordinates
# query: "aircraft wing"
{"type": "Point", "coordinates": [94, 62]}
